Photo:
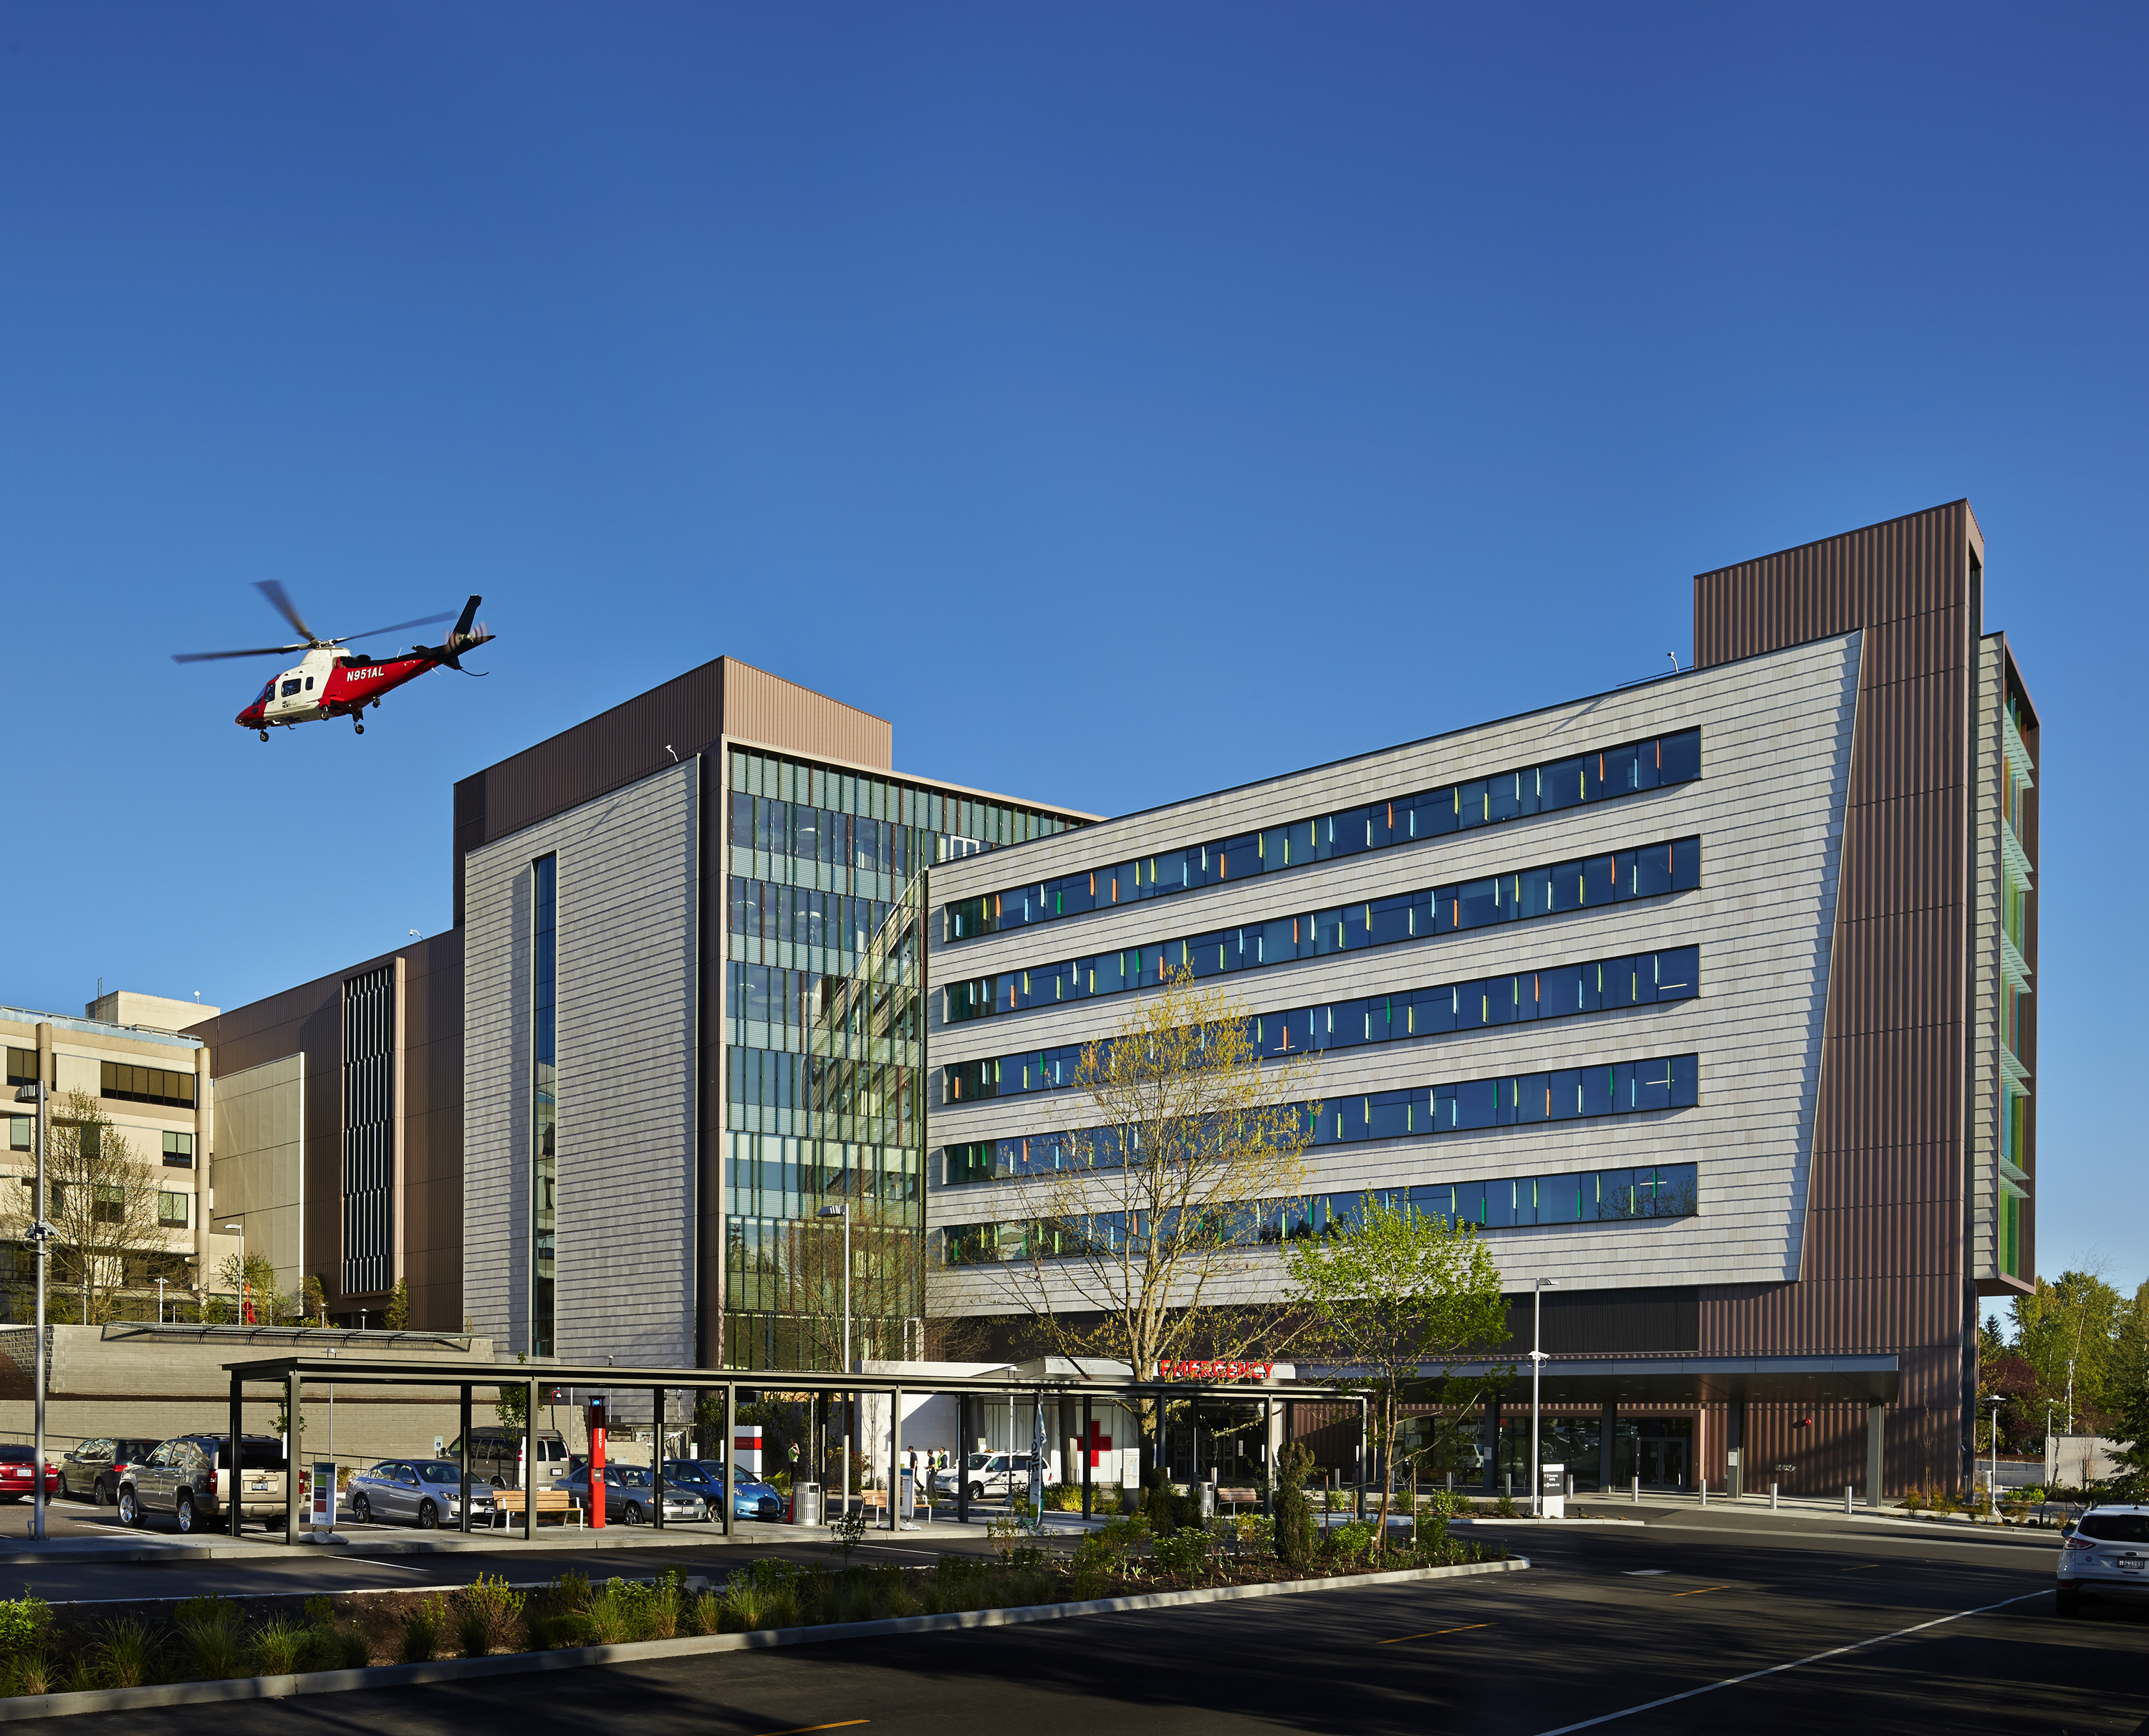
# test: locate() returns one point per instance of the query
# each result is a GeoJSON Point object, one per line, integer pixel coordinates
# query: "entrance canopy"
{"type": "Point", "coordinates": [1695, 1380]}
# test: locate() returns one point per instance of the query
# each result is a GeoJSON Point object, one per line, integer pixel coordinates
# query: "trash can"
{"type": "Point", "coordinates": [1208, 1500]}
{"type": "Point", "coordinates": [805, 1504]}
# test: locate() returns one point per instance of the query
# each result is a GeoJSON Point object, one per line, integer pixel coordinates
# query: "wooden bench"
{"type": "Point", "coordinates": [1235, 1496]}
{"type": "Point", "coordinates": [508, 1503]}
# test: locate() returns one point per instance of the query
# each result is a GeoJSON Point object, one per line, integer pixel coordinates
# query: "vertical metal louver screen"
{"type": "Point", "coordinates": [369, 1132]}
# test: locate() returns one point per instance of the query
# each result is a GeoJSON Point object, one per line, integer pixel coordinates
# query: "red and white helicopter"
{"type": "Point", "coordinates": [332, 683]}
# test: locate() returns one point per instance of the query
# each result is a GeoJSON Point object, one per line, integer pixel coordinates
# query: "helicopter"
{"type": "Point", "coordinates": [332, 683]}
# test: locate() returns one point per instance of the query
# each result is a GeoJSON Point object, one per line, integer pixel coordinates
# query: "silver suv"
{"type": "Point", "coordinates": [190, 1478]}
{"type": "Point", "coordinates": [2106, 1555]}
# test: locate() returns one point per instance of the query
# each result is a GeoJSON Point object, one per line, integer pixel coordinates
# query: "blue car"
{"type": "Point", "coordinates": [751, 1497]}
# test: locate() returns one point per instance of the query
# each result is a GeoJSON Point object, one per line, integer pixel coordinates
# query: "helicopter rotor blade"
{"type": "Point", "coordinates": [259, 650]}
{"type": "Point", "coordinates": [375, 632]}
{"type": "Point", "coordinates": [280, 600]}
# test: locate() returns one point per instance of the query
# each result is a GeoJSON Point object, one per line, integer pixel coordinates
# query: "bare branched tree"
{"type": "Point", "coordinates": [1144, 1213]}
{"type": "Point", "coordinates": [100, 1198]}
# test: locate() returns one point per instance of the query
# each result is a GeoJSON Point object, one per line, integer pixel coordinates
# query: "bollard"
{"type": "Point", "coordinates": [1704, 1492]}
{"type": "Point", "coordinates": [1772, 1497]}
{"type": "Point", "coordinates": [1638, 1491]}
{"type": "Point", "coordinates": [1849, 1491]}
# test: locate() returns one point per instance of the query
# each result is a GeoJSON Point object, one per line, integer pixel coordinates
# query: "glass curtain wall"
{"type": "Point", "coordinates": [825, 1044]}
{"type": "Point", "coordinates": [544, 1102]}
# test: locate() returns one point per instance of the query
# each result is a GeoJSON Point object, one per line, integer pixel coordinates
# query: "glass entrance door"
{"type": "Point", "coordinates": [1663, 1462]}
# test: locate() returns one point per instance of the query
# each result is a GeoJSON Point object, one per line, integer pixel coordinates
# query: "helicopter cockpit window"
{"type": "Point", "coordinates": [290, 687]}
{"type": "Point", "coordinates": [269, 692]}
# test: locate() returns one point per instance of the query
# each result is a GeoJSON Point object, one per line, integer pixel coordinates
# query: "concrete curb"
{"type": "Point", "coordinates": [518, 1664]}
{"type": "Point", "coordinates": [96, 1550]}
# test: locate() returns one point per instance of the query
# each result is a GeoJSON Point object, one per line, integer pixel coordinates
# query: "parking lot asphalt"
{"type": "Point", "coordinates": [1679, 1627]}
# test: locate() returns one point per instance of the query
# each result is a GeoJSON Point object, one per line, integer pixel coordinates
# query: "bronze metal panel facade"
{"type": "Point", "coordinates": [1885, 1265]}
{"type": "Point", "coordinates": [308, 1020]}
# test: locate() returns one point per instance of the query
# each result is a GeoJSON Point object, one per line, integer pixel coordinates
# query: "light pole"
{"type": "Point", "coordinates": [2070, 1391]}
{"type": "Point", "coordinates": [1537, 1372]}
{"type": "Point", "coordinates": [843, 1211]}
{"type": "Point", "coordinates": [41, 1234]}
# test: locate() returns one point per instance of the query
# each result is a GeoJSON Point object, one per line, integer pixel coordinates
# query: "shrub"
{"type": "Point", "coordinates": [488, 1611]}
{"type": "Point", "coordinates": [278, 1647]}
{"type": "Point", "coordinates": [424, 1624]}
{"type": "Point", "coordinates": [1505, 1506]}
{"type": "Point", "coordinates": [704, 1613]}
{"type": "Point", "coordinates": [25, 1629]}
{"type": "Point", "coordinates": [1294, 1512]}
{"type": "Point", "coordinates": [126, 1652]}
{"type": "Point", "coordinates": [1346, 1544]}
{"type": "Point", "coordinates": [1182, 1552]}
{"type": "Point", "coordinates": [847, 1531]}
{"type": "Point", "coordinates": [1064, 1498]}
{"type": "Point", "coordinates": [570, 1592]}
{"type": "Point", "coordinates": [209, 1634]}
{"type": "Point", "coordinates": [563, 1632]}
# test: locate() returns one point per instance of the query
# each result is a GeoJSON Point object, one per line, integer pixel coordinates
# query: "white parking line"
{"type": "Point", "coordinates": [1775, 1669]}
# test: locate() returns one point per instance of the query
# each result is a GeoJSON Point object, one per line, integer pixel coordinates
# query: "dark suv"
{"type": "Point", "coordinates": [95, 1468]}
{"type": "Point", "coordinates": [190, 1478]}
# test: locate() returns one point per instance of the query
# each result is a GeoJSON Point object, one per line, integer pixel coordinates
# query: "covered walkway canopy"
{"type": "Point", "coordinates": [1690, 1380]}
{"type": "Point", "coordinates": [291, 1374]}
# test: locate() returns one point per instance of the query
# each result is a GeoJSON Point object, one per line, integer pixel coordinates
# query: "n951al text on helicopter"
{"type": "Point", "coordinates": [330, 682]}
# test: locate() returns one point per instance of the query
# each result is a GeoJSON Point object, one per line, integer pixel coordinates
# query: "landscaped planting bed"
{"type": "Point", "coordinates": [48, 1650]}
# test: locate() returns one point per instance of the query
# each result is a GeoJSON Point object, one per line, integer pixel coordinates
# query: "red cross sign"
{"type": "Point", "coordinates": [1096, 1443]}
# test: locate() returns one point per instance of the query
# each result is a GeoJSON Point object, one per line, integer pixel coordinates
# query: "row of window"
{"type": "Point", "coordinates": [108, 1205]}
{"type": "Point", "coordinates": [1588, 1196]}
{"type": "Point", "coordinates": [886, 798]}
{"type": "Point", "coordinates": [1641, 979]}
{"type": "Point", "coordinates": [828, 837]}
{"type": "Point", "coordinates": [1545, 788]}
{"type": "Point", "coordinates": [1516, 896]}
{"type": "Point", "coordinates": [178, 1147]}
{"type": "Point", "coordinates": [1566, 1094]}
{"type": "Point", "coordinates": [798, 915]}
{"type": "Point", "coordinates": [127, 1084]}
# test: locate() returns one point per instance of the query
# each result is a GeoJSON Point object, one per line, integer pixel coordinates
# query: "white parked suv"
{"type": "Point", "coordinates": [2106, 1555]}
{"type": "Point", "coordinates": [1005, 1475]}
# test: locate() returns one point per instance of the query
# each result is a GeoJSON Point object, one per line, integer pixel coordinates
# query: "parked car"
{"type": "Point", "coordinates": [92, 1471]}
{"type": "Point", "coordinates": [1005, 1475]}
{"type": "Point", "coordinates": [424, 1492]}
{"type": "Point", "coordinates": [2105, 1556]}
{"type": "Point", "coordinates": [630, 1495]}
{"type": "Point", "coordinates": [496, 1456]}
{"type": "Point", "coordinates": [17, 1481]}
{"type": "Point", "coordinates": [188, 1477]}
{"type": "Point", "coordinates": [751, 1497]}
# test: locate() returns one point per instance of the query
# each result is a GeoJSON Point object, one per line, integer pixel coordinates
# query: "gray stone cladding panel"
{"type": "Point", "coordinates": [1777, 733]}
{"type": "Point", "coordinates": [628, 882]}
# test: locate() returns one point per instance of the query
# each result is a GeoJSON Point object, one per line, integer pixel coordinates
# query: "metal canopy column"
{"type": "Point", "coordinates": [657, 1467]}
{"type": "Point", "coordinates": [463, 1450]}
{"type": "Point", "coordinates": [962, 1459]}
{"type": "Point", "coordinates": [1608, 1432]}
{"type": "Point", "coordinates": [293, 1447]}
{"type": "Point", "coordinates": [1876, 1452]}
{"type": "Point", "coordinates": [1082, 1447]}
{"type": "Point", "coordinates": [894, 1454]}
{"type": "Point", "coordinates": [730, 1448]}
{"type": "Point", "coordinates": [231, 1470]}
{"type": "Point", "coordinates": [530, 1464]}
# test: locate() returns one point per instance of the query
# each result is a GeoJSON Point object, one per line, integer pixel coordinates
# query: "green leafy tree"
{"type": "Point", "coordinates": [100, 1198]}
{"type": "Point", "coordinates": [399, 1306]}
{"type": "Point", "coordinates": [512, 1406]}
{"type": "Point", "coordinates": [1397, 1297]}
{"type": "Point", "coordinates": [2078, 1320]}
{"type": "Point", "coordinates": [2131, 1381]}
{"type": "Point", "coordinates": [1134, 1245]}
{"type": "Point", "coordinates": [315, 1297]}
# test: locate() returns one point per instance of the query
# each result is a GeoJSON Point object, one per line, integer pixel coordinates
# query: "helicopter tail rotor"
{"type": "Point", "coordinates": [470, 633]}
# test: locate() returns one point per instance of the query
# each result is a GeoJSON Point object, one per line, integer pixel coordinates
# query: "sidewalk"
{"type": "Point", "coordinates": [139, 1545]}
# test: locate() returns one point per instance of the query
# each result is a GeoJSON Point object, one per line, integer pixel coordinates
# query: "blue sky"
{"type": "Point", "coordinates": [1126, 400]}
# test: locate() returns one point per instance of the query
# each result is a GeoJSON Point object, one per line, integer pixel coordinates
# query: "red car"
{"type": "Point", "coordinates": [16, 1474]}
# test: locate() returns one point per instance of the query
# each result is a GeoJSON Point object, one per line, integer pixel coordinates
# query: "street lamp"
{"type": "Point", "coordinates": [41, 1234]}
{"type": "Point", "coordinates": [1537, 1372]}
{"type": "Point", "coordinates": [1995, 1402]}
{"type": "Point", "coordinates": [843, 1211]}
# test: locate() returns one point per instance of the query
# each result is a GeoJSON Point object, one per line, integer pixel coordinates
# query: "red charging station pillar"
{"type": "Point", "coordinates": [596, 1462]}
